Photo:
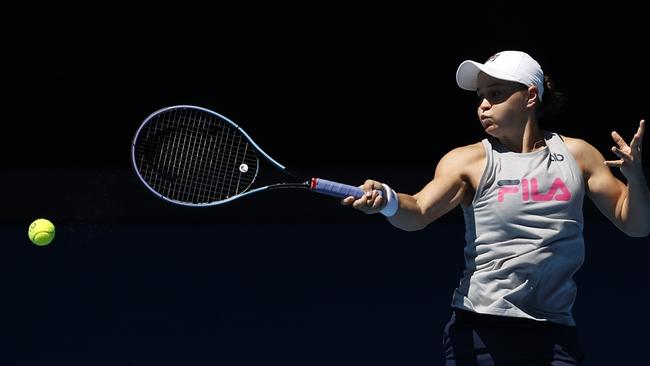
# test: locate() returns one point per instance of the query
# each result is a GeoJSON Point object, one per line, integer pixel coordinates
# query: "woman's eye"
{"type": "Point", "coordinates": [495, 93]}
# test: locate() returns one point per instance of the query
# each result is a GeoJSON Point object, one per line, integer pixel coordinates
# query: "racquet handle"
{"type": "Point", "coordinates": [336, 189]}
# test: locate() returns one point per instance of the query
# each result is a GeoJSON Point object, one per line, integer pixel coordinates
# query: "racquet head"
{"type": "Point", "coordinates": [193, 156]}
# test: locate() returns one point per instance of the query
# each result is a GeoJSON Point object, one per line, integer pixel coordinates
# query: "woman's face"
{"type": "Point", "coordinates": [502, 105]}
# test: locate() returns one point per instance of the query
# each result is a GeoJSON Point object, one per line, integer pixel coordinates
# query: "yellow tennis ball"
{"type": "Point", "coordinates": [41, 232]}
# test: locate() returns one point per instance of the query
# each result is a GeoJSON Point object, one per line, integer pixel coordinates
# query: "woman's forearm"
{"type": "Point", "coordinates": [635, 211]}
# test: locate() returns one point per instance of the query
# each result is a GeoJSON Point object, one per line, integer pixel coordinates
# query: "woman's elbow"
{"type": "Point", "coordinates": [411, 225]}
{"type": "Point", "coordinates": [413, 228]}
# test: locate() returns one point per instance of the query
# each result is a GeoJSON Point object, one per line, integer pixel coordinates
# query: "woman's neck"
{"type": "Point", "coordinates": [529, 139]}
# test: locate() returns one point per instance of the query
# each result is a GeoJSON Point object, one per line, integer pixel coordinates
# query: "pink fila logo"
{"type": "Point", "coordinates": [530, 190]}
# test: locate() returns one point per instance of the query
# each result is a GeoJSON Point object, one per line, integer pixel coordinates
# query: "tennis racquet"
{"type": "Point", "coordinates": [192, 156]}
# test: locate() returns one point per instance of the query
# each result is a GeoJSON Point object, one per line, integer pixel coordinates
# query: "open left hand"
{"type": "Point", "coordinates": [630, 155]}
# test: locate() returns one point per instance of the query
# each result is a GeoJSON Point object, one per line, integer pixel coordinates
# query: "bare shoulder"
{"type": "Point", "coordinates": [463, 158]}
{"type": "Point", "coordinates": [585, 154]}
{"type": "Point", "coordinates": [464, 154]}
{"type": "Point", "coordinates": [575, 145]}
{"type": "Point", "coordinates": [578, 146]}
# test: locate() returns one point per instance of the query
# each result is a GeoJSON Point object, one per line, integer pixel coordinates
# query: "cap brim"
{"type": "Point", "coordinates": [467, 74]}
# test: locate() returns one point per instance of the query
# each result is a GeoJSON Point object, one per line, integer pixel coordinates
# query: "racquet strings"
{"type": "Point", "coordinates": [193, 156]}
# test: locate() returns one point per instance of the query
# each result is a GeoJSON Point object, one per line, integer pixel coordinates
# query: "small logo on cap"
{"type": "Point", "coordinates": [493, 57]}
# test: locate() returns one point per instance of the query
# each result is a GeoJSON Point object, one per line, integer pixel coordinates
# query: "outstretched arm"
{"type": "Point", "coordinates": [438, 197]}
{"type": "Point", "coordinates": [627, 206]}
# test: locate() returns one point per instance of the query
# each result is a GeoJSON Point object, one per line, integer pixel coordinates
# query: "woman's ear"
{"type": "Point", "coordinates": [532, 99]}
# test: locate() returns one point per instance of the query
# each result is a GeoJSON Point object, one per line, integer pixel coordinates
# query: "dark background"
{"type": "Point", "coordinates": [345, 92]}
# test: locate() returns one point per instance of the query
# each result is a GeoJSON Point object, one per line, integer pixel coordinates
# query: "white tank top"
{"type": "Point", "coordinates": [524, 234]}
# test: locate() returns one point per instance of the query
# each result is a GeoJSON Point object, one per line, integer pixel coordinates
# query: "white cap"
{"type": "Point", "coordinates": [506, 65]}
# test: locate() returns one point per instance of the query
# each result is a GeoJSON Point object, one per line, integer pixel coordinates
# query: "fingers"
{"type": "Point", "coordinates": [367, 187]}
{"type": "Point", "coordinates": [370, 206]}
{"type": "Point", "coordinates": [371, 185]}
{"type": "Point", "coordinates": [625, 151]}
{"type": "Point", "coordinates": [371, 202]}
{"type": "Point", "coordinates": [637, 140]}
{"type": "Point", "coordinates": [614, 163]}
{"type": "Point", "coordinates": [347, 201]}
{"type": "Point", "coordinates": [620, 153]}
{"type": "Point", "coordinates": [630, 155]}
{"type": "Point", "coordinates": [626, 156]}
{"type": "Point", "coordinates": [619, 140]}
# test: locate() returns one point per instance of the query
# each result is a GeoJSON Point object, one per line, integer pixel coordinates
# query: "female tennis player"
{"type": "Point", "coordinates": [521, 191]}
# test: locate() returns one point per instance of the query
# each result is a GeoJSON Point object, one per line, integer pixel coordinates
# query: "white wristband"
{"type": "Point", "coordinates": [392, 202]}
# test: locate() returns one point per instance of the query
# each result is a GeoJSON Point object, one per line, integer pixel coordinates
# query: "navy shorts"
{"type": "Point", "coordinates": [478, 339]}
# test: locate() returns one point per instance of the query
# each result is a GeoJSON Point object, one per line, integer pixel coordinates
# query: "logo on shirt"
{"type": "Point", "coordinates": [530, 190]}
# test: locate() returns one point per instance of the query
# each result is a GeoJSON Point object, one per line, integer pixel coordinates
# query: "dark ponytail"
{"type": "Point", "coordinates": [552, 100]}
